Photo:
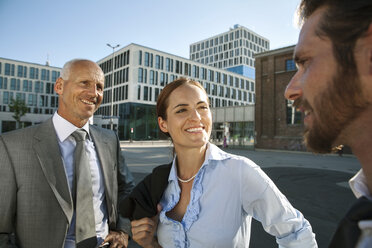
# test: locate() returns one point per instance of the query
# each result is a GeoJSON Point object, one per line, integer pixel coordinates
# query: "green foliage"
{"type": "Point", "coordinates": [19, 108]}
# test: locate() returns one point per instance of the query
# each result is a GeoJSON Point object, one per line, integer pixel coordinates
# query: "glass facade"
{"type": "Point", "coordinates": [139, 118]}
{"type": "Point", "coordinates": [238, 133]}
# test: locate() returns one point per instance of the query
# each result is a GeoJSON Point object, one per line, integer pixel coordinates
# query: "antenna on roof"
{"type": "Point", "coordinates": [47, 63]}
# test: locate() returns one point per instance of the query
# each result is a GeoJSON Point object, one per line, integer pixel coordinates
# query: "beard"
{"type": "Point", "coordinates": [333, 110]}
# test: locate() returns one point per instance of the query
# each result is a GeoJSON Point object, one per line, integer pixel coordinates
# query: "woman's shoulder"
{"type": "Point", "coordinates": [238, 160]}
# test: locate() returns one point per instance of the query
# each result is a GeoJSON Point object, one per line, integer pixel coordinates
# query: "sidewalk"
{"type": "Point", "coordinates": [146, 143]}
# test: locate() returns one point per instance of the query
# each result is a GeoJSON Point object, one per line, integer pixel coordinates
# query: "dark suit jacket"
{"type": "Point", "coordinates": [143, 200]}
{"type": "Point", "coordinates": [348, 232]}
{"type": "Point", "coordinates": [36, 203]}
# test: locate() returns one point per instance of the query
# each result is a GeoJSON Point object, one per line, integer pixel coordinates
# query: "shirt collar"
{"type": "Point", "coordinates": [64, 128]}
{"type": "Point", "coordinates": [212, 153]}
{"type": "Point", "coordinates": [358, 185]}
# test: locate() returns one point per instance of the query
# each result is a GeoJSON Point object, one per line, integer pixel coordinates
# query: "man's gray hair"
{"type": "Point", "coordinates": [65, 73]}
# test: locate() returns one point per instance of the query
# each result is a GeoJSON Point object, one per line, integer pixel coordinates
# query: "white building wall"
{"type": "Point", "coordinates": [133, 82]}
{"type": "Point", "coordinates": [238, 42]}
{"type": "Point", "coordinates": [31, 83]}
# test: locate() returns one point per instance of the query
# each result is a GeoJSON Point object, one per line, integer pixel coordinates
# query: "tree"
{"type": "Point", "coordinates": [19, 108]}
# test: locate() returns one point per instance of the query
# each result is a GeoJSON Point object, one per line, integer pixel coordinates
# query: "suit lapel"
{"type": "Point", "coordinates": [49, 155]}
{"type": "Point", "coordinates": [102, 146]}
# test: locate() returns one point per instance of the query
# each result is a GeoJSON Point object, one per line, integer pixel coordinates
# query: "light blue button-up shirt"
{"type": "Point", "coordinates": [227, 192]}
{"type": "Point", "coordinates": [67, 145]}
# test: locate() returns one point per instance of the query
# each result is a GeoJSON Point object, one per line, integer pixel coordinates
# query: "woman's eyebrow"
{"type": "Point", "coordinates": [180, 105]}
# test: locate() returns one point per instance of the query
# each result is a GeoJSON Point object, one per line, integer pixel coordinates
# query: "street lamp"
{"type": "Point", "coordinates": [112, 85]}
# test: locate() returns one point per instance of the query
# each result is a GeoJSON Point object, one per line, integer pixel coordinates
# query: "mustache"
{"type": "Point", "coordinates": [301, 103]}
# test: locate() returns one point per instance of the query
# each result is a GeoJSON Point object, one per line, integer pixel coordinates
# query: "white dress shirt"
{"type": "Point", "coordinates": [358, 184]}
{"type": "Point", "coordinates": [227, 192]}
{"type": "Point", "coordinates": [67, 145]}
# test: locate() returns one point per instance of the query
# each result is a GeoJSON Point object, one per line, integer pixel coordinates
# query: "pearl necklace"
{"type": "Point", "coordinates": [188, 180]}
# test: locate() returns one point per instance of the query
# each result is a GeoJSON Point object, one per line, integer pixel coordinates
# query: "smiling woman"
{"type": "Point", "coordinates": [184, 114]}
{"type": "Point", "coordinates": [186, 201]}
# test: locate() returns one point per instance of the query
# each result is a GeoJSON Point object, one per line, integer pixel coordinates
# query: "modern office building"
{"type": "Point", "coordinates": [140, 73]}
{"type": "Point", "coordinates": [32, 83]}
{"type": "Point", "coordinates": [278, 125]}
{"type": "Point", "coordinates": [233, 50]}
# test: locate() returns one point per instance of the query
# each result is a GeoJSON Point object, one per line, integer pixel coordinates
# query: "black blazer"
{"type": "Point", "coordinates": [143, 200]}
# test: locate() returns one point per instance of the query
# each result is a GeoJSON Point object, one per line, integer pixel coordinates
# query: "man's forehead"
{"type": "Point", "coordinates": [309, 32]}
{"type": "Point", "coordinates": [88, 70]}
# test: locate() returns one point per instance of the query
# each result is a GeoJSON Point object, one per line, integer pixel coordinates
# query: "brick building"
{"type": "Point", "coordinates": [277, 124]}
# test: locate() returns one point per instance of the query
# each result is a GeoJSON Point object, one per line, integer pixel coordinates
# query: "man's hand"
{"type": "Point", "coordinates": [117, 239]}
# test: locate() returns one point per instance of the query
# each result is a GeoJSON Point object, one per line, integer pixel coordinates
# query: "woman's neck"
{"type": "Point", "coordinates": [189, 161]}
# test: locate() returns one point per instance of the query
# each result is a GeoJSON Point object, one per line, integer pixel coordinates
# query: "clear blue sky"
{"type": "Point", "coordinates": [66, 29]}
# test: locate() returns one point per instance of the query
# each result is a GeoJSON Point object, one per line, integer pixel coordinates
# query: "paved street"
{"type": "Point", "coordinates": [314, 184]}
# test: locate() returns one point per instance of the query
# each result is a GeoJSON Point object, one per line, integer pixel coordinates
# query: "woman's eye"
{"type": "Point", "coordinates": [180, 111]}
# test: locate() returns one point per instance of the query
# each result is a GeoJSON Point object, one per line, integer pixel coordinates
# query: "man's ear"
{"type": "Point", "coordinates": [58, 86]}
{"type": "Point", "coordinates": [163, 125]}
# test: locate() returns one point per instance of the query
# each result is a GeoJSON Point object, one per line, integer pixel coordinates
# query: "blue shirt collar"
{"type": "Point", "coordinates": [212, 153]}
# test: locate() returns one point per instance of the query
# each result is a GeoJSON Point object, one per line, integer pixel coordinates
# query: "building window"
{"type": "Point", "coordinates": [290, 65]}
{"type": "Point", "coordinates": [9, 69]}
{"type": "Point", "coordinates": [162, 79]}
{"type": "Point", "coordinates": [5, 97]}
{"type": "Point", "coordinates": [293, 116]}
{"type": "Point", "coordinates": [32, 72]}
{"type": "Point", "coordinates": [147, 58]}
{"type": "Point", "coordinates": [151, 77]}
{"type": "Point", "coordinates": [208, 88]}
{"type": "Point", "coordinates": [157, 62]}
{"type": "Point", "coordinates": [44, 74]}
{"type": "Point", "coordinates": [12, 84]}
{"type": "Point", "coordinates": [233, 95]}
{"type": "Point", "coordinates": [140, 75]}
{"type": "Point", "coordinates": [55, 75]}
{"type": "Point", "coordinates": [22, 71]}
{"type": "Point", "coordinates": [25, 85]}
{"type": "Point", "coordinates": [30, 99]}
{"type": "Point", "coordinates": [145, 93]}
{"type": "Point", "coordinates": [178, 67]}
{"type": "Point", "coordinates": [139, 92]}
{"type": "Point", "coordinates": [167, 64]}
{"type": "Point", "coordinates": [161, 63]}
{"type": "Point", "coordinates": [157, 91]}
{"type": "Point", "coordinates": [145, 76]}
{"type": "Point", "coordinates": [214, 89]}
{"type": "Point", "coordinates": [140, 58]}
{"type": "Point", "coordinates": [3, 83]}
{"type": "Point", "coordinates": [210, 75]}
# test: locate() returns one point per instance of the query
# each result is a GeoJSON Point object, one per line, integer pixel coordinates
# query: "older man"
{"type": "Point", "coordinates": [60, 181]}
{"type": "Point", "coordinates": [333, 87]}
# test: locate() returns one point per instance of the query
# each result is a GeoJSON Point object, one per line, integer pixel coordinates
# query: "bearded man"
{"type": "Point", "coordinates": [333, 88]}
